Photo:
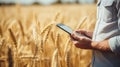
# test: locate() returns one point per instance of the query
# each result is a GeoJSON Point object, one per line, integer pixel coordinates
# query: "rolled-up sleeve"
{"type": "Point", "coordinates": [114, 42]}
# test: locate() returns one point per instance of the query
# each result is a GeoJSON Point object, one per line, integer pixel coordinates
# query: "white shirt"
{"type": "Point", "coordinates": [107, 27]}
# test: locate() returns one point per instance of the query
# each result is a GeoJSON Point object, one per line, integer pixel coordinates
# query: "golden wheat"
{"type": "Point", "coordinates": [13, 37]}
{"type": "Point", "coordinates": [21, 27]}
{"type": "Point", "coordinates": [46, 27]}
{"type": "Point", "coordinates": [1, 33]}
{"type": "Point", "coordinates": [54, 62]}
{"type": "Point", "coordinates": [81, 22]}
{"type": "Point", "coordinates": [38, 42]}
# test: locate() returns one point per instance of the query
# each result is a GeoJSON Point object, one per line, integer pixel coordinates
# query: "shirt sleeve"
{"type": "Point", "coordinates": [114, 42]}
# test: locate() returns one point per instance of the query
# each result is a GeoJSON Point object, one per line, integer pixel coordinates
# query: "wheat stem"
{"type": "Point", "coordinates": [21, 27]}
{"type": "Point", "coordinates": [56, 16]}
{"type": "Point", "coordinates": [57, 40]}
{"type": "Point", "coordinates": [47, 34]}
{"type": "Point", "coordinates": [13, 37]}
{"type": "Point", "coordinates": [1, 32]}
{"type": "Point", "coordinates": [66, 45]}
{"type": "Point", "coordinates": [54, 60]}
{"type": "Point", "coordinates": [46, 27]}
{"type": "Point", "coordinates": [81, 22]}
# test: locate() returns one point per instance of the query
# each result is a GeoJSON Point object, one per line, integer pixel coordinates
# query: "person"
{"type": "Point", "coordinates": [105, 40]}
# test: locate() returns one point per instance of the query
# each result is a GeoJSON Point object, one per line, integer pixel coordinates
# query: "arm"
{"type": "Point", "coordinates": [102, 46]}
{"type": "Point", "coordinates": [112, 44]}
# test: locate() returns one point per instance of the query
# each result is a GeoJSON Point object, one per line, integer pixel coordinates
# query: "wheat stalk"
{"type": "Point", "coordinates": [41, 43]}
{"type": "Point", "coordinates": [35, 37]}
{"type": "Point", "coordinates": [91, 25]}
{"type": "Point", "coordinates": [2, 22]}
{"type": "Point", "coordinates": [38, 25]}
{"type": "Point", "coordinates": [56, 16]}
{"type": "Point", "coordinates": [68, 57]}
{"type": "Point", "coordinates": [46, 27]}
{"type": "Point", "coordinates": [9, 25]}
{"type": "Point", "coordinates": [66, 45]}
{"type": "Point", "coordinates": [13, 37]}
{"type": "Point", "coordinates": [2, 43]}
{"type": "Point", "coordinates": [21, 27]}
{"type": "Point", "coordinates": [81, 22]}
{"type": "Point", "coordinates": [10, 58]}
{"type": "Point", "coordinates": [52, 37]}
{"type": "Point", "coordinates": [47, 34]}
{"type": "Point", "coordinates": [1, 32]}
{"type": "Point", "coordinates": [63, 20]}
{"type": "Point", "coordinates": [57, 40]}
{"type": "Point", "coordinates": [54, 61]}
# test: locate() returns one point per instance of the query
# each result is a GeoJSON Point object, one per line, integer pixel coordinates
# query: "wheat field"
{"type": "Point", "coordinates": [29, 36]}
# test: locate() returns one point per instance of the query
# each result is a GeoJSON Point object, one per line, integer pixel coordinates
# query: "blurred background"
{"type": "Point", "coordinates": [46, 2]}
{"type": "Point", "coordinates": [29, 36]}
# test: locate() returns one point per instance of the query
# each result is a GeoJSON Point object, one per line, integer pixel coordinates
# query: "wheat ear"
{"type": "Point", "coordinates": [46, 27]}
{"type": "Point", "coordinates": [47, 34]}
{"type": "Point", "coordinates": [66, 45]}
{"type": "Point", "coordinates": [13, 37]}
{"type": "Point", "coordinates": [56, 16]}
{"type": "Point", "coordinates": [21, 27]}
{"type": "Point", "coordinates": [57, 40]}
{"type": "Point", "coordinates": [67, 57]}
{"type": "Point", "coordinates": [52, 37]}
{"type": "Point", "coordinates": [54, 60]}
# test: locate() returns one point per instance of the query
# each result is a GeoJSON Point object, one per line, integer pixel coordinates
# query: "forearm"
{"type": "Point", "coordinates": [102, 46]}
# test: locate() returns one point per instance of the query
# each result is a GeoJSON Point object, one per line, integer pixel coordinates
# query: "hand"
{"type": "Point", "coordinates": [86, 33]}
{"type": "Point", "coordinates": [80, 41]}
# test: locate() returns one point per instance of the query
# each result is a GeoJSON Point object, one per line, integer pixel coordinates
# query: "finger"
{"type": "Point", "coordinates": [72, 39]}
{"type": "Point", "coordinates": [74, 36]}
{"type": "Point", "coordinates": [78, 36]}
{"type": "Point", "coordinates": [76, 43]}
{"type": "Point", "coordinates": [83, 36]}
{"type": "Point", "coordinates": [81, 31]}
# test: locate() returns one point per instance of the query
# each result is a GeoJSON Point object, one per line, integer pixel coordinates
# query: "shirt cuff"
{"type": "Point", "coordinates": [114, 45]}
